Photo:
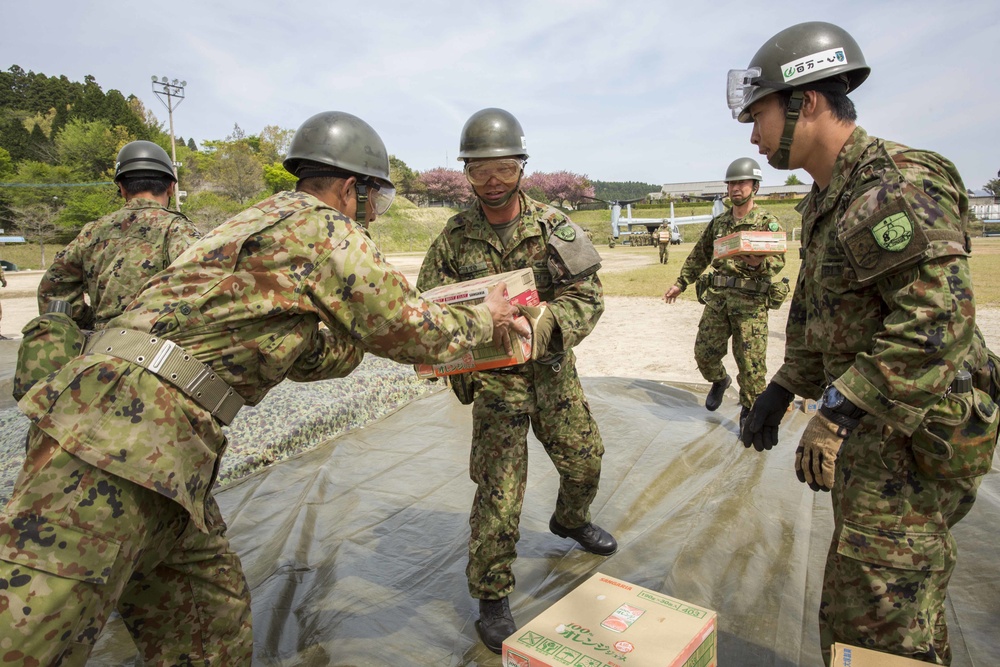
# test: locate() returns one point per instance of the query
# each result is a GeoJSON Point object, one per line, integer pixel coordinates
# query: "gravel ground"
{"type": "Point", "coordinates": [293, 418]}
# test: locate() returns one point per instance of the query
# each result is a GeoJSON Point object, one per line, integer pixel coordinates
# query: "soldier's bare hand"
{"type": "Point", "coordinates": [672, 294]}
{"type": "Point", "coordinates": [506, 317]}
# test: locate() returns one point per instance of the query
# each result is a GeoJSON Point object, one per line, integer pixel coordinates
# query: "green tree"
{"type": "Point", "coordinates": [792, 180]}
{"type": "Point", "coordinates": [6, 165]}
{"type": "Point", "coordinates": [274, 142]}
{"type": "Point", "coordinates": [88, 204]}
{"type": "Point", "coordinates": [277, 178]}
{"type": "Point", "coordinates": [237, 169]}
{"type": "Point", "coordinates": [210, 209]}
{"type": "Point", "coordinates": [15, 138]}
{"type": "Point", "coordinates": [993, 186]}
{"type": "Point", "coordinates": [90, 147]}
{"type": "Point", "coordinates": [191, 145]}
{"type": "Point", "coordinates": [406, 180]}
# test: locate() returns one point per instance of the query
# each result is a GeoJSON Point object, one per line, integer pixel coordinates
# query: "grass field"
{"type": "Point", "coordinates": [654, 280]}
{"type": "Point", "coordinates": [407, 228]}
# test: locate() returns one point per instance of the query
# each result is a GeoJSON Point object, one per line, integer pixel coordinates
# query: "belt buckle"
{"type": "Point", "coordinates": [162, 355]}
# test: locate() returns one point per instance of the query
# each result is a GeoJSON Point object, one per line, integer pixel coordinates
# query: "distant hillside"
{"type": "Point", "coordinates": [610, 190]}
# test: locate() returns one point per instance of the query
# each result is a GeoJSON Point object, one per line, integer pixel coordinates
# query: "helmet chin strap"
{"type": "Point", "coordinates": [741, 201]}
{"type": "Point", "coordinates": [779, 159]}
{"type": "Point", "coordinates": [506, 200]}
{"type": "Point", "coordinates": [361, 215]}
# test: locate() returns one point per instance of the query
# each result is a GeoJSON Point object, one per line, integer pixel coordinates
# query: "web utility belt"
{"type": "Point", "coordinates": [746, 284]}
{"type": "Point", "coordinates": [172, 363]}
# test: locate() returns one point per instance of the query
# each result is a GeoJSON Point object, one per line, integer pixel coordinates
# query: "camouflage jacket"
{"type": "Point", "coordinates": [290, 288]}
{"type": "Point", "coordinates": [111, 259]}
{"type": "Point", "coordinates": [468, 248]}
{"type": "Point", "coordinates": [883, 303]}
{"type": "Point", "coordinates": [702, 255]}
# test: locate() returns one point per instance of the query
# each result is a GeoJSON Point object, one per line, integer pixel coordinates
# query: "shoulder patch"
{"type": "Point", "coordinates": [894, 232]}
{"type": "Point", "coordinates": [885, 241]}
{"type": "Point", "coordinates": [565, 232]}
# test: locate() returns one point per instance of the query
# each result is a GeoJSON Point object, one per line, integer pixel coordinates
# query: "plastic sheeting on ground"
{"type": "Point", "coordinates": [355, 551]}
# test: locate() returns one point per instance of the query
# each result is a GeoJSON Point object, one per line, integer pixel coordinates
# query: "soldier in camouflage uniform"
{"type": "Point", "coordinates": [662, 238]}
{"type": "Point", "coordinates": [506, 231]}
{"type": "Point", "coordinates": [111, 259]}
{"type": "Point", "coordinates": [114, 505]}
{"type": "Point", "coordinates": [736, 294]}
{"type": "Point", "coordinates": [882, 325]}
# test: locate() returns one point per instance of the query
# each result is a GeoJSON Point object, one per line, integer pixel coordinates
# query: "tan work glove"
{"type": "Point", "coordinates": [542, 325]}
{"type": "Point", "coordinates": [816, 457]}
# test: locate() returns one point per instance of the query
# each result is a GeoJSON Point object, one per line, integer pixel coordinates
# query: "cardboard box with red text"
{"type": "Point", "coordinates": [521, 291]}
{"type": "Point", "coordinates": [607, 622]}
{"type": "Point", "coordinates": [751, 243]}
{"type": "Point", "coordinates": [852, 656]}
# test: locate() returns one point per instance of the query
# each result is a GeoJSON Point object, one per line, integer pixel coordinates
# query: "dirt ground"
{"type": "Point", "coordinates": [637, 337]}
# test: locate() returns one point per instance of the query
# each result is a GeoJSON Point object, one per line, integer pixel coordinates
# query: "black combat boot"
{"type": "Point", "coordinates": [495, 623]}
{"type": "Point", "coordinates": [592, 538]}
{"type": "Point", "coordinates": [714, 398]}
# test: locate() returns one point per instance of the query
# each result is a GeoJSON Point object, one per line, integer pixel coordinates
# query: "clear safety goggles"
{"type": "Point", "coordinates": [506, 170]}
{"type": "Point", "coordinates": [380, 195]}
{"type": "Point", "coordinates": [739, 88]}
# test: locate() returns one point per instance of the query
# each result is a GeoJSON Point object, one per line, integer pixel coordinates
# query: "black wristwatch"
{"type": "Point", "coordinates": [836, 404]}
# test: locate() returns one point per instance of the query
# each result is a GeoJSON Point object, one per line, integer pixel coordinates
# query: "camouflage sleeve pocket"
{"type": "Point", "coordinates": [958, 436]}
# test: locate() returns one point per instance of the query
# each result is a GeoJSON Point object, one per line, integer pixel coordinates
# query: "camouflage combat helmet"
{"type": "Point", "coordinates": [807, 56]}
{"type": "Point", "coordinates": [339, 140]}
{"type": "Point", "coordinates": [492, 133]}
{"type": "Point", "coordinates": [743, 169]}
{"type": "Point", "coordinates": [143, 159]}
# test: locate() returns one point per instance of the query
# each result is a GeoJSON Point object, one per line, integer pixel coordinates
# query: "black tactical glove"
{"type": "Point", "coordinates": [761, 427]}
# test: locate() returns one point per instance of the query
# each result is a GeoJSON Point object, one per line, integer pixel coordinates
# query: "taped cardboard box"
{"type": "Point", "coordinates": [809, 406]}
{"type": "Point", "coordinates": [844, 655]}
{"type": "Point", "coordinates": [521, 291]}
{"type": "Point", "coordinates": [750, 243]}
{"type": "Point", "coordinates": [607, 622]}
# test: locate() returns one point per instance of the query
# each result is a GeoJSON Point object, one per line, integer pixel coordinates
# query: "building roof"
{"type": "Point", "coordinates": [712, 189]}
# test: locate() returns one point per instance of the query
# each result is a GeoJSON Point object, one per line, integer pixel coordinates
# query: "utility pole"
{"type": "Point", "coordinates": [171, 93]}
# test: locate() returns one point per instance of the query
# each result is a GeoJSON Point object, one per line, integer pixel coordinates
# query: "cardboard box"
{"type": "Point", "coordinates": [809, 406]}
{"type": "Point", "coordinates": [607, 622]}
{"type": "Point", "coordinates": [521, 291]}
{"type": "Point", "coordinates": [751, 243]}
{"type": "Point", "coordinates": [852, 656]}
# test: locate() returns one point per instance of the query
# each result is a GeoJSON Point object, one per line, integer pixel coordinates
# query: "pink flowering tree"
{"type": "Point", "coordinates": [447, 185]}
{"type": "Point", "coordinates": [559, 186]}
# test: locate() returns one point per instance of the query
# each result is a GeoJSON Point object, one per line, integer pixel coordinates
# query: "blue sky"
{"type": "Point", "coordinates": [614, 90]}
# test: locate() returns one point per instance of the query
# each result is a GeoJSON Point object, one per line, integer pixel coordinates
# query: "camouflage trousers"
{"type": "Point", "coordinates": [892, 552]}
{"type": "Point", "coordinates": [77, 543]}
{"type": "Point", "coordinates": [730, 313]}
{"type": "Point", "coordinates": [664, 253]}
{"type": "Point", "coordinates": [560, 418]}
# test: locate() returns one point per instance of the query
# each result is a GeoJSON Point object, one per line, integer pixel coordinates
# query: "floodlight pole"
{"type": "Point", "coordinates": [173, 93]}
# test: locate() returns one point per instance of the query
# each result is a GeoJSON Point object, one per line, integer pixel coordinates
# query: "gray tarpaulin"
{"type": "Point", "coordinates": [355, 551]}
